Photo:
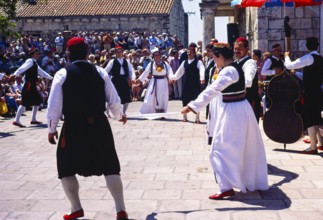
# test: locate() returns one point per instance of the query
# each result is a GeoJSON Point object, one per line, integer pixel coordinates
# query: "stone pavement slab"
{"type": "Point", "coordinates": [166, 175]}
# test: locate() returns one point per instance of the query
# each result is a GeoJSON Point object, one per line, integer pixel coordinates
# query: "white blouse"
{"type": "Point", "coordinates": [55, 100]}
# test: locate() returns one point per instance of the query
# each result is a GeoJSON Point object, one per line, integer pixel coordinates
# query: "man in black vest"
{"type": "Point", "coordinates": [29, 95]}
{"type": "Point", "coordinates": [312, 64]}
{"type": "Point", "coordinates": [192, 70]}
{"type": "Point", "coordinates": [274, 65]}
{"type": "Point", "coordinates": [86, 146]}
{"type": "Point", "coordinates": [122, 75]}
{"type": "Point", "coordinates": [249, 67]}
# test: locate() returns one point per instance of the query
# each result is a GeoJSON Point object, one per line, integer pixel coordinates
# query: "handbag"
{"type": "Point", "coordinates": [3, 108]}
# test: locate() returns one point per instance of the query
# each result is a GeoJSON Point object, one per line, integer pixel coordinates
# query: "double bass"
{"type": "Point", "coordinates": [282, 123]}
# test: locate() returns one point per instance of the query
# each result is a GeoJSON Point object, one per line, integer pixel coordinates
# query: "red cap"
{"type": "Point", "coordinates": [117, 47]}
{"type": "Point", "coordinates": [75, 41]}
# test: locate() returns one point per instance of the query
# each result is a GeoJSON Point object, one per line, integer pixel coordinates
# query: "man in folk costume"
{"type": "Point", "coordinates": [86, 145]}
{"type": "Point", "coordinates": [122, 74]}
{"type": "Point", "coordinates": [237, 154]}
{"type": "Point", "coordinates": [312, 64]}
{"type": "Point", "coordinates": [249, 67]}
{"type": "Point", "coordinates": [192, 70]}
{"type": "Point", "coordinates": [274, 65]}
{"type": "Point", "coordinates": [210, 67]}
{"type": "Point", "coordinates": [156, 98]}
{"type": "Point", "coordinates": [29, 95]}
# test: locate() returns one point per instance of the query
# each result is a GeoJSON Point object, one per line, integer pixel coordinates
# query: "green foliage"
{"type": "Point", "coordinates": [9, 8]}
{"type": "Point", "coordinates": [5, 25]}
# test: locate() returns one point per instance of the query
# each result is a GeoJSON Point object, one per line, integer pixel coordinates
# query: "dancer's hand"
{"type": "Point", "coordinates": [51, 137]}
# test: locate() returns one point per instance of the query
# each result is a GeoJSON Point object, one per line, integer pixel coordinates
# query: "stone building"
{"type": "Point", "coordinates": [51, 16]}
{"type": "Point", "coordinates": [265, 26]}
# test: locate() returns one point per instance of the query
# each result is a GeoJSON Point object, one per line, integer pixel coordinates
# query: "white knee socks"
{"type": "Point", "coordinates": [35, 110]}
{"type": "Point", "coordinates": [125, 107]}
{"type": "Point", "coordinates": [71, 188]}
{"type": "Point", "coordinates": [312, 131]}
{"type": "Point", "coordinates": [114, 184]}
{"type": "Point", "coordinates": [20, 110]}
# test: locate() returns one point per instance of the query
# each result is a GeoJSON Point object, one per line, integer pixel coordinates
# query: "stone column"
{"type": "Point", "coordinates": [207, 13]}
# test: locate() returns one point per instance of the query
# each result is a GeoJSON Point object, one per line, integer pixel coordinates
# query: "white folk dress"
{"type": "Point", "coordinates": [237, 151]}
{"type": "Point", "coordinates": [157, 95]}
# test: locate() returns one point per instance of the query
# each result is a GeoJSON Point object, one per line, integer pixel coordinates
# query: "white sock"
{"type": "Point", "coordinates": [20, 110]}
{"type": "Point", "coordinates": [125, 107]}
{"type": "Point", "coordinates": [319, 138]}
{"type": "Point", "coordinates": [35, 110]}
{"type": "Point", "coordinates": [184, 116]}
{"type": "Point", "coordinates": [312, 131]}
{"type": "Point", "coordinates": [197, 117]}
{"type": "Point", "coordinates": [71, 188]}
{"type": "Point", "coordinates": [114, 184]}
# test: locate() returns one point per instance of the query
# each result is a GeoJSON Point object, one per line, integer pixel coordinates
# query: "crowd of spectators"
{"type": "Point", "coordinates": [136, 48]}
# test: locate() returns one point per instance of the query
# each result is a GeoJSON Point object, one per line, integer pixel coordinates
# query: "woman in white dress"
{"type": "Point", "coordinates": [237, 153]}
{"type": "Point", "coordinates": [156, 98]}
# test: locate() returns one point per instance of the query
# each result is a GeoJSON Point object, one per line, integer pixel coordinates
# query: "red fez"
{"type": "Point", "coordinates": [117, 47]}
{"type": "Point", "coordinates": [75, 42]}
{"type": "Point", "coordinates": [33, 50]}
{"type": "Point", "coordinates": [243, 40]}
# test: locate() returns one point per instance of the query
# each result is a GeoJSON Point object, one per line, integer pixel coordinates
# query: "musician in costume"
{"type": "Point", "coordinates": [237, 155]}
{"type": "Point", "coordinates": [156, 98]}
{"type": "Point", "coordinates": [122, 75]}
{"type": "Point", "coordinates": [29, 95]}
{"type": "Point", "coordinates": [192, 70]}
{"type": "Point", "coordinates": [312, 64]}
{"type": "Point", "coordinates": [249, 67]}
{"type": "Point", "coordinates": [86, 146]}
{"type": "Point", "coordinates": [274, 65]}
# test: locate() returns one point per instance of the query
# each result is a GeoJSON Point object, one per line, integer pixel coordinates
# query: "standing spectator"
{"type": "Point", "coordinates": [30, 95]}
{"type": "Point", "coordinates": [86, 145]}
{"type": "Point", "coordinates": [145, 59]}
{"type": "Point", "coordinates": [153, 42]}
{"type": "Point", "coordinates": [47, 63]}
{"type": "Point", "coordinates": [169, 42]}
{"type": "Point", "coordinates": [59, 42]}
{"type": "Point", "coordinates": [174, 64]}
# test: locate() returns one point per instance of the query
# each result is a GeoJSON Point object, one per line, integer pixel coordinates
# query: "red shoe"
{"type": "Point", "coordinates": [18, 124]}
{"type": "Point", "coordinates": [222, 195]}
{"type": "Point", "coordinates": [307, 140]}
{"type": "Point", "coordinates": [74, 215]}
{"type": "Point", "coordinates": [36, 122]}
{"type": "Point", "coordinates": [122, 215]}
{"type": "Point", "coordinates": [320, 147]}
{"type": "Point", "coordinates": [309, 152]}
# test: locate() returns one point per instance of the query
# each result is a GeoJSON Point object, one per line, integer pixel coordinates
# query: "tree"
{"type": "Point", "coordinates": [7, 12]}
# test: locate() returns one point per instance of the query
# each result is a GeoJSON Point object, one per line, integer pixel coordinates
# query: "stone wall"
{"type": "Point", "coordinates": [173, 23]}
{"type": "Point", "coordinates": [267, 27]}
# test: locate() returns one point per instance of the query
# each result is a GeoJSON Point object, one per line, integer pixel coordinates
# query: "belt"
{"type": "Point", "coordinates": [233, 98]}
{"type": "Point", "coordinates": [159, 77]}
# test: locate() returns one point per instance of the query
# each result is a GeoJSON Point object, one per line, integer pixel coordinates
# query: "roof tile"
{"type": "Point", "coordinates": [58, 8]}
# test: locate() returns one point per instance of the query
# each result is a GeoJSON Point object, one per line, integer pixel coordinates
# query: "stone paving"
{"type": "Point", "coordinates": [166, 175]}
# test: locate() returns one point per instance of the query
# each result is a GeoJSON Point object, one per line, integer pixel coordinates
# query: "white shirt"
{"type": "Point", "coordinates": [301, 62]}
{"type": "Point", "coordinates": [181, 70]}
{"type": "Point", "coordinates": [130, 68]}
{"type": "Point", "coordinates": [250, 69]}
{"type": "Point", "coordinates": [144, 75]}
{"type": "Point", "coordinates": [55, 99]}
{"type": "Point", "coordinates": [265, 69]}
{"type": "Point", "coordinates": [227, 76]}
{"type": "Point", "coordinates": [27, 65]}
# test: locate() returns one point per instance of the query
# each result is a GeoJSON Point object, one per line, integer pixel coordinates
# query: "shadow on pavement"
{"type": "Point", "coordinates": [272, 199]}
